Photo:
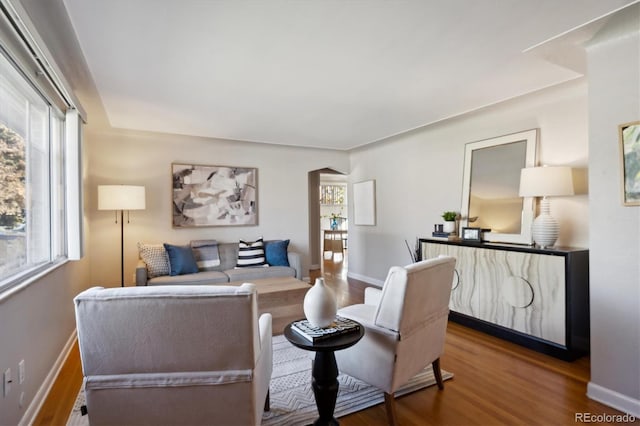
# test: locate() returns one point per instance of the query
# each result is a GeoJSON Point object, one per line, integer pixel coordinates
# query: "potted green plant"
{"type": "Point", "coordinates": [449, 221]}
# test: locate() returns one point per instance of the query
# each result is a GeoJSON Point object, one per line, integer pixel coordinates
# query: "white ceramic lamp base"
{"type": "Point", "coordinates": [545, 229]}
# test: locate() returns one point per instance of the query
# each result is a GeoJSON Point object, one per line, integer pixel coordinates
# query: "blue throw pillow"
{"type": "Point", "coordinates": [181, 260]}
{"type": "Point", "coordinates": [276, 252]}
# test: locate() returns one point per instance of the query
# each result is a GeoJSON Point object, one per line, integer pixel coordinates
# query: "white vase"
{"type": "Point", "coordinates": [320, 304]}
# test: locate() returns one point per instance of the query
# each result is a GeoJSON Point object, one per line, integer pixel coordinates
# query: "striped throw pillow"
{"type": "Point", "coordinates": [251, 253]}
{"type": "Point", "coordinates": [206, 253]}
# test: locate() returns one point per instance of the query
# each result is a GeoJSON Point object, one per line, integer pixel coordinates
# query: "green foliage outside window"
{"type": "Point", "coordinates": [12, 178]}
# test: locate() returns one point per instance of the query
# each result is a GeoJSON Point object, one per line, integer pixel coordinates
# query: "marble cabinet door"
{"type": "Point", "coordinates": [464, 291]}
{"type": "Point", "coordinates": [524, 292]}
{"type": "Point", "coordinates": [520, 291]}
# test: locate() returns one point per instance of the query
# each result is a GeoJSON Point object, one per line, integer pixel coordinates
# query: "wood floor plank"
{"type": "Point", "coordinates": [496, 382]}
{"type": "Point", "coordinates": [64, 391]}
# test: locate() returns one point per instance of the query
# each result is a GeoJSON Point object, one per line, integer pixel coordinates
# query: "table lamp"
{"type": "Point", "coordinates": [545, 182]}
{"type": "Point", "coordinates": [121, 197]}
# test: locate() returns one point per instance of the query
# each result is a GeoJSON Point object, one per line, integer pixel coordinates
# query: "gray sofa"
{"type": "Point", "coordinates": [225, 272]}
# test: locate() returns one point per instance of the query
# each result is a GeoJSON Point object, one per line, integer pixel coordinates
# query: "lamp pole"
{"type": "Point", "coordinates": [121, 248]}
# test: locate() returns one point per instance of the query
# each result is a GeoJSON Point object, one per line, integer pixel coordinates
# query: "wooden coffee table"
{"type": "Point", "coordinates": [282, 297]}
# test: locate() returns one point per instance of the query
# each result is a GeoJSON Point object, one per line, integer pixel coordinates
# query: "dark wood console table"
{"type": "Point", "coordinates": [538, 298]}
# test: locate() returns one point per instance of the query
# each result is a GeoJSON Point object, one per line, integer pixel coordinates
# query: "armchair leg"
{"type": "Point", "coordinates": [390, 405]}
{"type": "Point", "coordinates": [267, 402]}
{"type": "Point", "coordinates": [437, 373]}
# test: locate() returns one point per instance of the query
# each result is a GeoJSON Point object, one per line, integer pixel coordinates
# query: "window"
{"type": "Point", "coordinates": [58, 193]}
{"type": "Point", "coordinates": [332, 194]}
{"type": "Point", "coordinates": [333, 203]}
{"type": "Point", "coordinates": [32, 196]}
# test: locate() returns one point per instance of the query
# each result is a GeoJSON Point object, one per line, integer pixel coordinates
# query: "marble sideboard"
{"type": "Point", "coordinates": [535, 297]}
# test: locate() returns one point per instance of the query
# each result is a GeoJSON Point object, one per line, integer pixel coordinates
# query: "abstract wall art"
{"type": "Point", "coordinates": [214, 195]}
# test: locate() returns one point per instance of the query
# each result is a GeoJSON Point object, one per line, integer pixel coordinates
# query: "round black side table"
{"type": "Point", "coordinates": [325, 370]}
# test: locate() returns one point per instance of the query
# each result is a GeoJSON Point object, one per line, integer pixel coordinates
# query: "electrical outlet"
{"type": "Point", "coordinates": [21, 372]}
{"type": "Point", "coordinates": [7, 382]}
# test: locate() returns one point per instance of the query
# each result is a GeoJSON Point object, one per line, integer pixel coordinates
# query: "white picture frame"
{"type": "Point", "coordinates": [364, 203]}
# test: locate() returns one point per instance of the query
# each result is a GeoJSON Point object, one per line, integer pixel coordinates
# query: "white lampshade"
{"type": "Point", "coordinates": [121, 197]}
{"type": "Point", "coordinates": [546, 181]}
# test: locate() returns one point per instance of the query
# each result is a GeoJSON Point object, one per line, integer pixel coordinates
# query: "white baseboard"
{"type": "Point", "coordinates": [368, 280]}
{"type": "Point", "coordinates": [614, 399]}
{"type": "Point", "coordinates": [38, 400]}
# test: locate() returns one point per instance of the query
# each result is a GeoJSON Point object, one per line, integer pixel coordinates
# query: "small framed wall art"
{"type": "Point", "coordinates": [213, 195]}
{"type": "Point", "coordinates": [471, 234]}
{"type": "Point", "coordinates": [630, 151]}
{"type": "Point", "coordinates": [364, 203]}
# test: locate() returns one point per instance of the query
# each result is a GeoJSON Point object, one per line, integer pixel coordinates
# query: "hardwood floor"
{"type": "Point", "coordinates": [64, 391]}
{"type": "Point", "coordinates": [495, 383]}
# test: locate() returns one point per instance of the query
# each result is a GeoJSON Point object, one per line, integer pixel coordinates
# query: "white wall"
{"type": "Point", "coordinates": [614, 99]}
{"type": "Point", "coordinates": [145, 158]}
{"type": "Point", "coordinates": [419, 174]}
{"type": "Point", "coordinates": [36, 324]}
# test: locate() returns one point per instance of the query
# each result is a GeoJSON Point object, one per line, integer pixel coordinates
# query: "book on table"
{"type": "Point", "coordinates": [338, 327]}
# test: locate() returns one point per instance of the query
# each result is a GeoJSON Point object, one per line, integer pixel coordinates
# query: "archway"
{"type": "Point", "coordinates": [317, 223]}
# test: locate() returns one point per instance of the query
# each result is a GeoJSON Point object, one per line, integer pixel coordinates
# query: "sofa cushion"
{"type": "Point", "coordinates": [200, 278]}
{"type": "Point", "coordinates": [228, 256]}
{"type": "Point", "coordinates": [251, 253]}
{"type": "Point", "coordinates": [276, 252]}
{"type": "Point", "coordinates": [155, 256]}
{"type": "Point", "coordinates": [181, 260]}
{"type": "Point", "coordinates": [206, 254]}
{"type": "Point", "coordinates": [249, 274]}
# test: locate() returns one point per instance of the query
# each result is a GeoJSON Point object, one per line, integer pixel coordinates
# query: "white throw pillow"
{"type": "Point", "coordinates": [155, 256]}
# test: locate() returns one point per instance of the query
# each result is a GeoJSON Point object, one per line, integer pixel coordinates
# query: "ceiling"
{"type": "Point", "coordinates": [318, 73]}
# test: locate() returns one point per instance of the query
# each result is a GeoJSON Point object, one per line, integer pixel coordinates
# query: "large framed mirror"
{"type": "Point", "coordinates": [491, 182]}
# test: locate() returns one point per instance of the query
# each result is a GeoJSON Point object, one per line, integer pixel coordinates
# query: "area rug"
{"type": "Point", "coordinates": [292, 401]}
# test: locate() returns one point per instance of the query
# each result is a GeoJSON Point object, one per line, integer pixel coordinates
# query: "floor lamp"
{"type": "Point", "coordinates": [121, 198]}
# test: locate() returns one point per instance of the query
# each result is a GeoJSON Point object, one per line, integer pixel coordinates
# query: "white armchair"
{"type": "Point", "coordinates": [405, 326]}
{"type": "Point", "coordinates": [174, 355]}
